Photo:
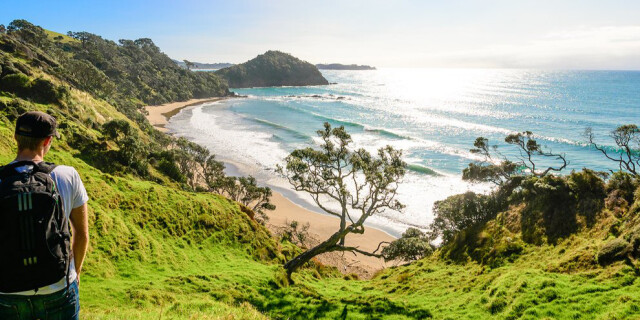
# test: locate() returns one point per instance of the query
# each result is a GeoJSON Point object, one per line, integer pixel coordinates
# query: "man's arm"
{"type": "Point", "coordinates": [80, 241]}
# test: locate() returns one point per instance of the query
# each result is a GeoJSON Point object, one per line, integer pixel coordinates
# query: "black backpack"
{"type": "Point", "coordinates": [34, 231]}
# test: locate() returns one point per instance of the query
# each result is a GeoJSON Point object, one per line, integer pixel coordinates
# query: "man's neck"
{"type": "Point", "coordinates": [30, 155]}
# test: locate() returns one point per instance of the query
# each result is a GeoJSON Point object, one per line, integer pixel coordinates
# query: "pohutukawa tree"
{"type": "Point", "coordinates": [498, 169]}
{"type": "Point", "coordinates": [352, 185]}
{"type": "Point", "coordinates": [627, 138]}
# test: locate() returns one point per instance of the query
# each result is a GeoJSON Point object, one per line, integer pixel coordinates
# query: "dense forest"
{"type": "Point", "coordinates": [128, 74]}
{"type": "Point", "coordinates": [271, 69]}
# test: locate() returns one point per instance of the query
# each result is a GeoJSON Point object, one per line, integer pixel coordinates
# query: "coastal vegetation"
{"type": "Point", "coordinates": [350, 185]}
{"type": "Point", "coordinates": [272, 69]}
{"type": "Point", "coordinates": [555, 245]}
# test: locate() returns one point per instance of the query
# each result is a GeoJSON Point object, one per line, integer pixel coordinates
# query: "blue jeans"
{"type": "Point", "coordinates": [61, 305]}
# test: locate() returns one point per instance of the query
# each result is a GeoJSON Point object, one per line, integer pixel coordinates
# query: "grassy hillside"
{"type": "Point", "coordinates": [160, 251]}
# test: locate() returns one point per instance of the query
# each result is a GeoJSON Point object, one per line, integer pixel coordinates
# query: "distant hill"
{"type": "Point", "coordinates": [272, 69]}
{"type": "Point", "coordinates": [202, 65]}
{"type": "Point", "coordinates": [338, 66]}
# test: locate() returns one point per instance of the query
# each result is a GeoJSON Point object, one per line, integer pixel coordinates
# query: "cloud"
{"type": "Point", "coordinates": [607, 47]}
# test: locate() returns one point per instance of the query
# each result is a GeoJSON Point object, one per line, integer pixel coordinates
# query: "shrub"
{"type": "Point", "coordinates": [171, 170]}
{"type": "Point", "coordinates": [636, 202]}
{"type": "Point", "coordinates": [550, 211]}
{"type": "Point", "coordinates": [502, 251]}
{"type": "Point", "coordinates": [296, 233]}
{"type": "Point", "coordinates": [460, 212]}
{"type": "Point", "coordinates": [624, 184]}
{"type": "Point", "coordinates": [44, 91]}
{"type": "Point", "coordinates": [614, 250]}
{"type": "Point", "coordinates": [17, 83]}
{"type": "Point", "coordinates": [589, 189]}
{"type": "Point", "coordinates": [413, 245]}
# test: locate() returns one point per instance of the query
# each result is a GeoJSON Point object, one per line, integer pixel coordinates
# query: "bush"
{"type": "Point", "coordinates": [43, 91]}
{"type": "Point", "coordinates": [295, 233]}
{"type": "Point", "coordinates": [413, 245]}
{"type": "Point", "coordinates": [614, 250]}
{"type": "Point", "coordinates": [16, 83]}
{"type": "Point", "coordinates": [589, 189]}
{"type": "Point", "coordinates": [171, 170]}
{"type": "Point", "coordinates": [504, 250]}
{"type": "Point", "coordinates": [621, 186]}
{"type": "Point", "coordinates": [550, 211]}
{"type": "Point", "coordinates": [460, 212]}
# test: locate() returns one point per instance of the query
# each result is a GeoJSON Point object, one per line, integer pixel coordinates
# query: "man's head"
{"type": "Point", "coordinates": [35, 131]}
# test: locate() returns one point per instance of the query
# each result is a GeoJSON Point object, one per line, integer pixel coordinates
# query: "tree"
{"type": "Point", "coordinates": [460, 212]}
{"type": "Point", "coordinates": [189, 64]}
{"type": "Point", "coordinates": [132, 151]}
{"type": "Point", "coordinates": [192, 160]}
{"type": "Point", "coordinates": [627, 138]}
{"type": "Point", "coordinates": [27, 32]}
{"type": "Point", "coordinates": [358, 184]}
{"type": "Point", "coordinates": [413, 245]}
{"type": "Point", "coordinates": [246, 191]}
{"type": "Point", "coordinates": [506, 173]}
{"type": "Point", "coordinates": [243, 189]}
{"type": "Point", "coordinates": [296, 233]}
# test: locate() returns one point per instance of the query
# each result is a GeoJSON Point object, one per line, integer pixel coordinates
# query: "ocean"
{"type": "Point", "coordinates": [433, 115]}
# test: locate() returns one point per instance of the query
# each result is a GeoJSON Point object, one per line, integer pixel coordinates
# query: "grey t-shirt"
{"type": "Point", "coordinates": [73, 195]}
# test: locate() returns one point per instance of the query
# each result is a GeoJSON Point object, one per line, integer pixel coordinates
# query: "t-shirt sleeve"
{"type": "Point", "coordinates": [80, 196]}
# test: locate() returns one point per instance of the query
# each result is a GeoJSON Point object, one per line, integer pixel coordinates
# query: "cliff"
{"type": "Point", "coordinates": [272, 69]}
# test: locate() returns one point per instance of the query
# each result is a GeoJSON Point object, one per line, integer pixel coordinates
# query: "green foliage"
{"type": "Point", "coordinates": [620, 188]}
{"type": "Point", "coordinates": [413, 245]}
{"type": "Point", "coordinates": [39, 90]}
{"type": "Point", "coordinates": [550, 211]}
{"type": "Point", "coordinates": [627, 138]}
{"type": "Point", "coordinates": [331, 172]}
{"type": "Point", "coordinates": [143, 74]}
{"type": "Point", "coordinates": [460, 212]}
{"type": "Point", "coordinates": [504, 172]}
{"type": "Point", "coordinates": [245, 190]}
{"type": "Point", "coordinates": [553, 204]}
{"type": "Point", "coordinates": [27, 32]}
{"type": "Point", "coordinates": [18, 83]}
{"type": "Point", "coordinates": [295, 232]}
{"type": "Point", "coordinates": [589, 190]}
{"type": "Point", "coordinates": [273, 68]}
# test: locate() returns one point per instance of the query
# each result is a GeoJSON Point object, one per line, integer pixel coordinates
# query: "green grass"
{"type": "Point", "coordinates": [65, 38]}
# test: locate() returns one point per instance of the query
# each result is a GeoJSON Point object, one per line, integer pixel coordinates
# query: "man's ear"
{"type": "Point", "coordinates": [48, 141]}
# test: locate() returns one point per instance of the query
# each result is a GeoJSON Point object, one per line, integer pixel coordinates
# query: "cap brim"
{"type": "Point", "coordinates": [56, 134]}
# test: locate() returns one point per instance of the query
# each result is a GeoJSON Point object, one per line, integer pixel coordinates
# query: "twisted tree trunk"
{"type": "Point", "coordinates": [328, 245]}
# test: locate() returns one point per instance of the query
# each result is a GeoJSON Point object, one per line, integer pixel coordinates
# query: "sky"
{"type": "Point", "coordinates": [558, 34]}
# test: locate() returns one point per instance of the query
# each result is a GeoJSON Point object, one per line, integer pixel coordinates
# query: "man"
{"type": "Point", "coordinates": [38, 249]}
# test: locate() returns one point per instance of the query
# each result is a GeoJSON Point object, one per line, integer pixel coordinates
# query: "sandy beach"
{"type": "Point", "coordinates": [321, 226]}
{"type": "Point", "coordinates": [159, 115]}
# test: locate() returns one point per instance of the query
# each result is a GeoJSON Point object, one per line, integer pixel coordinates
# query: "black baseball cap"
{"type": "Point", "coordinates": [37, 124]}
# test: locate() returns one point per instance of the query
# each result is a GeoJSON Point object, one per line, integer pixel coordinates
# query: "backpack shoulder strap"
{"type": "Point", "coordinates": [9, 170]}
{"type": "Point", "coordinates": [45, 167]}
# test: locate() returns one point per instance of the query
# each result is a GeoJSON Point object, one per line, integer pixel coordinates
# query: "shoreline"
{"type": "Point", "coordinates": [321, 226]}
{"type": "Point", "coordinates": [159, 115]}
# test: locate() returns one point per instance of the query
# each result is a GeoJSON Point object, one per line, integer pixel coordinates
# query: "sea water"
{"type": "Point", "coordinates": [433, 115]}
